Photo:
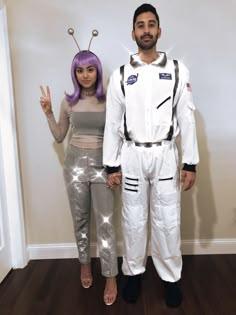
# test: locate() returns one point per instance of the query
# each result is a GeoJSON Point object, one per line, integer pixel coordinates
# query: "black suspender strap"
{"type": "Point", "coordinates": [127, 137]}
{"type": "Point", "coordinates": [176, 78]}
{"type": "Point", "coordinates": [171, 131]}
{"type": "Point", "coordinates": [122, 79]}
{"type": "Point", "coordinates": [123, 91]}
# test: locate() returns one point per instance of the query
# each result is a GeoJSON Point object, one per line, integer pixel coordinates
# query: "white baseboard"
{"type": "Point", "coordinates": [209, 247]}
{"type": "Point", "coordinates": [190, 247]}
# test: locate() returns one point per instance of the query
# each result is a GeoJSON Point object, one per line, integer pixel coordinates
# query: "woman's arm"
{"type": "Point", "coordinates": [58, 129]}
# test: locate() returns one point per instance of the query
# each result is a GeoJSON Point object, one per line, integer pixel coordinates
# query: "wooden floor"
{"type": "Point", "coordinates": [52, 287]}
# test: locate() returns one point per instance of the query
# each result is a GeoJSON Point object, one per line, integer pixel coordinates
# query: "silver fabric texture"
{"type": "Point", "coordinates": [85, 180]}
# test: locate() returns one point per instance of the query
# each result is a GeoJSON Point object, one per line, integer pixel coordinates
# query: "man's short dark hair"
{"type": "Point", "coordinates": [146, 7]}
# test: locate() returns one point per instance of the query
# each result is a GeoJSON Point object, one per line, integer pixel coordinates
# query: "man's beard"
{"type": "Point", "coordinates": [146, 46]}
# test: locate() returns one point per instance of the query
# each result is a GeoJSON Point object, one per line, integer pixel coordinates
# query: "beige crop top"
{"type": "Point", "coordinates": [87, 121]}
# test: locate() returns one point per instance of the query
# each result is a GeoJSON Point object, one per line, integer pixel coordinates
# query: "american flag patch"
{"type": "Point", "coordinates": [189, 87]}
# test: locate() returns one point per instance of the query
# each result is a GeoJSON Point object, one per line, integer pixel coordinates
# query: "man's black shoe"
{"type": "Point", "coordinates": [132, 288]}
{"type": "Point", "coordinates": [173, 294]}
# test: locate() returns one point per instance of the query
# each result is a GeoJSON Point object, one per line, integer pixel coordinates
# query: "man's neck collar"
{"type": "Point", "coordinates": [161, 60]}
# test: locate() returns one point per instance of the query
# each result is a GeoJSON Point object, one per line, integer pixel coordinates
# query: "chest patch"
{"type": "Point", "coordinates": [132, 79]}
{"type": "Point", "coordinates": [165, 76]}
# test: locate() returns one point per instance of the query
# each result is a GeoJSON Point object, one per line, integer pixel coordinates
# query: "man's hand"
{"type": "Point", "coordinates": [187, 179]}
{"type": "Point", "coordinates": [114, 180]}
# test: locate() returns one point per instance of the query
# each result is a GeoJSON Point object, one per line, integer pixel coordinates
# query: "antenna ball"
{"type": "Point", "coordinates": [70, 31]}
{"type": "Point", "coordinates": [95, 33]}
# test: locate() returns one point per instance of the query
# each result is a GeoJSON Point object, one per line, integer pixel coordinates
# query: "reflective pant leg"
{"type": "Point", "coordinates": [134, 213]}
{"type": "Point", "coordinates": [103, 204]}
{"type": "Point", "coordinates": [78, 190]}
{"type": "Point", "coordinates": [79, 199]}
{"type": "Point", "coordinates": [165, 221]}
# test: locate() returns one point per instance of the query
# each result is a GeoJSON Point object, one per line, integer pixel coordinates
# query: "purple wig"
{"type": "Point", "coordinates": [83, 58]}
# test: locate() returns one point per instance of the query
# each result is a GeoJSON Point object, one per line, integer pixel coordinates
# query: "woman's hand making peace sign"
{"type": "Point", "coordinates": [45, 100]}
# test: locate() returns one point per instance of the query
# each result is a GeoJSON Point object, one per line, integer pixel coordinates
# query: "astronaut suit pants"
{"type": "Point", "coordinates": [151, 191]}
{"type": "Point", "coordinates": [86, 183]}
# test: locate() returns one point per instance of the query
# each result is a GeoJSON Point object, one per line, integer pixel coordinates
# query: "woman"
{"type": "Point", "coordinates": [84, 175]}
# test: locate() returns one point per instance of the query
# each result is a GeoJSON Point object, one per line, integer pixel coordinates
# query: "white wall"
{"type": "Point", "coordinates": [199, 33]}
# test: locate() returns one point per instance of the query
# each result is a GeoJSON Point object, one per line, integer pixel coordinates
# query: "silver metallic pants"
{"type": "Point", "coordinates": [85, 180]}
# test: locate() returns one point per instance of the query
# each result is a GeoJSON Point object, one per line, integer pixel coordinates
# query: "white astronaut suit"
{"type": "Point", "coordinates": [142, 123]}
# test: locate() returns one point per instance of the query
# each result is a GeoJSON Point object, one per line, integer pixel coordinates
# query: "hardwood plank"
{"type": "Point", "coordinates": [52, 287]}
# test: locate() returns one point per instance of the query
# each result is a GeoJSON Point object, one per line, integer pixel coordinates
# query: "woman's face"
{"type": "Point", "coordinates": [87, 77]}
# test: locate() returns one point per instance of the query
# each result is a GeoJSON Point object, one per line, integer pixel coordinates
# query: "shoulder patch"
{"type": "Point", "coordinates": [132, 79]}
{"type": "Point", "coordinates": [189, 87]}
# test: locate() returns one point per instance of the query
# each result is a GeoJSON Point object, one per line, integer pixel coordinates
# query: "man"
{"type": "Point", "coordinates": [149, 103]}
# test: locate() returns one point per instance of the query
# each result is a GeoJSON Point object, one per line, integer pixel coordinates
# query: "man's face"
{"type": "Point", "coordinates": [146, 31]}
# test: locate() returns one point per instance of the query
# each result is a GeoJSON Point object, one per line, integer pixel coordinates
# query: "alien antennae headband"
{"type": "Point", "coordinates": [71, 32]}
